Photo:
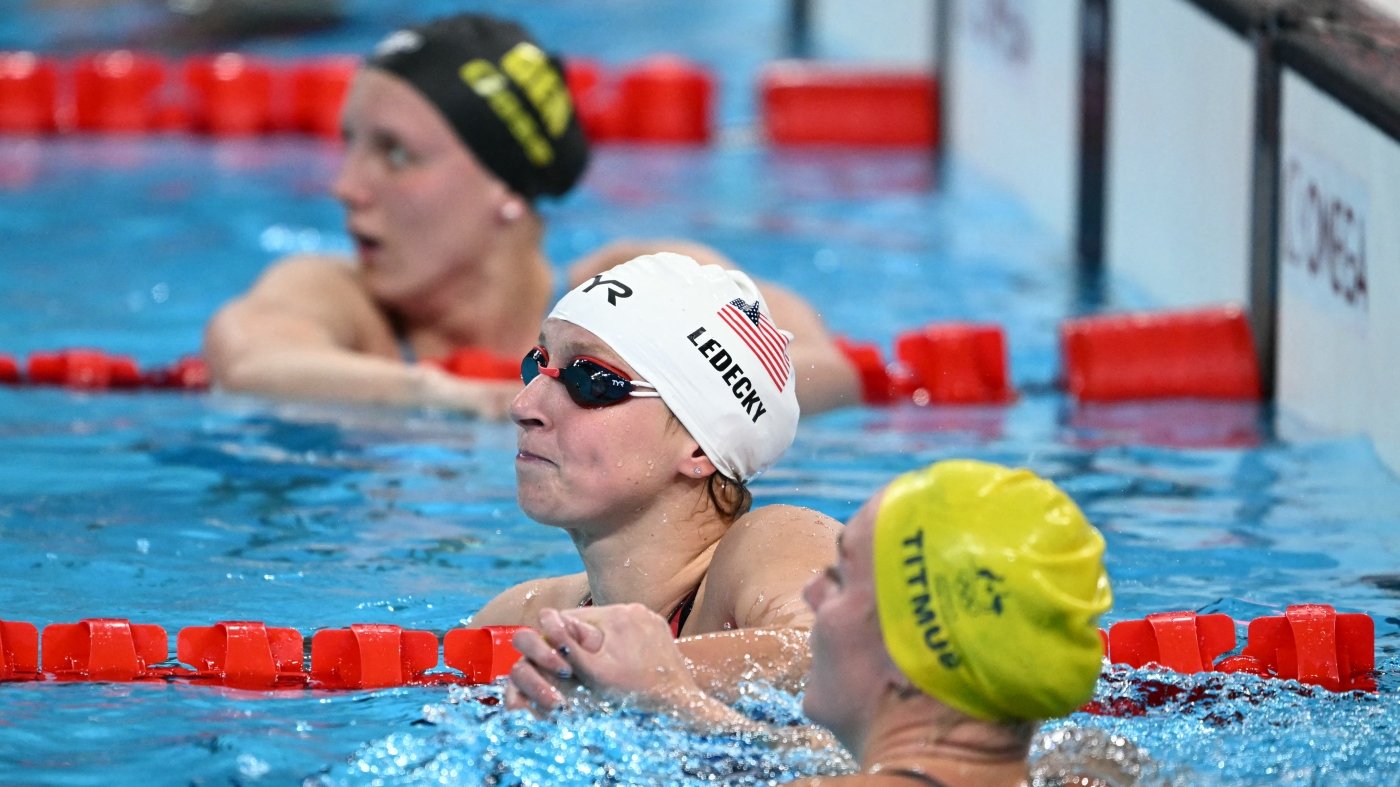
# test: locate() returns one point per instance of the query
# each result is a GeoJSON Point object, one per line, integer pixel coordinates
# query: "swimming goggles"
{"type": "Point", "coordinates": [589, 381]}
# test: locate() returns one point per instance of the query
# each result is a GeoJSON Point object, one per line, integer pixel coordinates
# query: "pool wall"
{"type": "Point", "coordinates": [1210, 151]}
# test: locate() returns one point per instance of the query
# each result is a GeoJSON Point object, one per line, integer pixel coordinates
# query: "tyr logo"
{"type": "Point", "coordinates": [616, 289]}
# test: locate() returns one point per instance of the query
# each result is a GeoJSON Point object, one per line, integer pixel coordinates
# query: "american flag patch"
{"type": "Point", "coordinates": [761, 336]}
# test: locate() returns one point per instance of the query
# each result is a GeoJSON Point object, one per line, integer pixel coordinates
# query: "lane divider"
{"type": "Point", "coordinates": [95, 370]}
{"type": "Point", "coordinates": [251, 655]}
{"type": "Point", "coordinates": [1309, 643]}
{"type": "Point", "coordinates": [665, 99]}
{"type": "Point", "coordinates": [1205, 353]}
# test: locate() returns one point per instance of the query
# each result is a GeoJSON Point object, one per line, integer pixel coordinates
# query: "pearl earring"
{"type": "Point", "coordinates": [698, 471]}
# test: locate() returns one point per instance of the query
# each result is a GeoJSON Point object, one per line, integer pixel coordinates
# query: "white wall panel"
{"type": "Point", "coordinates": [887, 32]}
{"type": "Point", "coordinates": [1181, 108]}
{"type": "Point", "coordinates": [1339, 278]}
{"type": "Point", "coordinates": [1013, 101]}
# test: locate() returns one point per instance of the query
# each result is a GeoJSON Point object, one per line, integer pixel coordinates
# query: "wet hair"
{"type": "Point", "coordinates": [506, 98]}
{"type": "Point", "coordinates": [732, 499]}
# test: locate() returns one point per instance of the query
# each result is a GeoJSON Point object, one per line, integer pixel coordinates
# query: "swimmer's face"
{"type": "Point", "coordinates": [577, 466]}
{"type": "Point", "coordinates": [418, 205]}
{"type": "Point", "coordinates": [850, 670]}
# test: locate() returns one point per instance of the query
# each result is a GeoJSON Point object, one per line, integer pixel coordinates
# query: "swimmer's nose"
{"type": "Point", "coordinates": [349, 186]}
{"type": "Point", "coordinates": [525, 409]}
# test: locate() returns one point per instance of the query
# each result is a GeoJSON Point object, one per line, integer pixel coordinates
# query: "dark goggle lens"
{"type": "Point", "coordinates": [588, 383]}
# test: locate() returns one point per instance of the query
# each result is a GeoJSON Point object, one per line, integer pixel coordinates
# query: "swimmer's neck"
{"type": "Point", "coordinates": [495, 305]}
{"type": "Point", "coordinates": [655, 561]}
{"type": "Point", "coordinates": [922, 735]}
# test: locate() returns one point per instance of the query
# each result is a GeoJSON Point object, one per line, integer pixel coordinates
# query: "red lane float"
{"type": "Point", "coordinates": [104, 649]}
{"type": "Point", "coordinates": [19, 651]}
{"type": "Point", "coordinates": [117, 91]}
{"type": "Point", "coordinates": [805, 103]}
{"type": "Point", "coordinates": [1312, 644]}
{"type": "Point", "coordinates": [1197, 353]}
{"type": "Point", "coordinates": [242, 654]}
{"type": "Point", "coordinates": [1178, 641]}
{"type": "Point", "coordinates": [481, 654]}
{"type": "Point", "coordinates": [595, 99]}
{"type": "Point", "coordinates": [229, 94]}
{"type": "Point", "coordinates": [318, 87]}
{"type": "Point", "coordinates": [84, 369]}
{"type": "Point", "coordinates": [480, 364]}
{"type": "Point", "coordinates": [666, 99]}
{"type": "Point", "coordinates": [941, 363]}
{"type": "Point", "coordinates": [9, 370]}
{"type": "Point", "coordinates": [371, 656]}
{"type": "Point", "coordinates": [28, 93]}
{"type": "Point", "coordinates": [958, 363]}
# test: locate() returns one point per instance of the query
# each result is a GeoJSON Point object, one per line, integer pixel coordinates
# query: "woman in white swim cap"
{"type": "Point", "coordinates": [660, 388]}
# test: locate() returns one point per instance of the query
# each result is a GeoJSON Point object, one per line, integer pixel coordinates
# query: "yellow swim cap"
{"type": "Point", "coordinates": [990, 584]}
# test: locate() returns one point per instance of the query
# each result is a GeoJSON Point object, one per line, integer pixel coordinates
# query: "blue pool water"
{"type": "Point", "coordinates": [187, 509]}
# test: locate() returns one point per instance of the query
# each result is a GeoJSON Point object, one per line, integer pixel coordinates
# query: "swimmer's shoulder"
{"type": "Point", "coordinates": [764, 561]}
{"type": "Point", "coordinates": [785, 528]}
{"type": "Point", "coordinates": [521, 605]}
{"type": "Point", "coordinates": [303, 271]}
{"type": "Point", "coordinates": [312, 290]}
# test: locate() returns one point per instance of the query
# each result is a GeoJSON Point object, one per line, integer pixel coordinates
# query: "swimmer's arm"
{"type": "Point", "coordinates": [306, 331]}
{"type": "Point", "coordinates": [521, 605]}
{"type": "Point", "coordinates": [721, 661]}
{"type": "Point", "coordinates": [825, 378]}
{"type": "Point", "coordinates": [753, 601]}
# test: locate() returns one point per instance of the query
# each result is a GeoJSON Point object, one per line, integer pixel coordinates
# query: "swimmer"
{"type": "Point", "coordinates": [659, 389]}
{"type": "Point", "coordinates": [453, 131]}
{"type": "Point", "coordinates": [962, 610]}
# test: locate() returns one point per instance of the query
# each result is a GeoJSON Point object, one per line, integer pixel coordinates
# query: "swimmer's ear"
{"type": "Point", "coordinates": [511, 210]}
{"type": "Point", "coordinates": [696, 465]}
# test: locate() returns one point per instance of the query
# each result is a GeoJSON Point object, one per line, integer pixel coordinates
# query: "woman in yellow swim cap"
{"type": "Point", "coordinates": [962, 610]}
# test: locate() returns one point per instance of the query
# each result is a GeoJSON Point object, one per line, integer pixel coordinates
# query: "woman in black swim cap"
{"type": "Point", "coordinates": [453, 130]}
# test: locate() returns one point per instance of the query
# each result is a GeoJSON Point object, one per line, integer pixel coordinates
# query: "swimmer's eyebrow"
{"type": "Point", "coordinates": [841, 545]}
{"type": "Point", "coordinates": [573, 349]}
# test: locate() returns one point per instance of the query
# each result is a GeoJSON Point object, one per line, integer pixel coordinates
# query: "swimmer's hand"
{"type": "Point", "coordinates": [624, 652]}
{"type": "Point", "coordinates": [485, 398]}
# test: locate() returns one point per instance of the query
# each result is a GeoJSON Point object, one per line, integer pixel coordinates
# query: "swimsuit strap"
{"type": "Point", "coordinates": [910, 773]}
{"type": "Point", "coordinates": [678, 617]}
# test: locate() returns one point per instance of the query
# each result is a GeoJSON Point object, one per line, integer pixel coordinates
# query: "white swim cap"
{"type": "Point", "coordinates": [704, 338]}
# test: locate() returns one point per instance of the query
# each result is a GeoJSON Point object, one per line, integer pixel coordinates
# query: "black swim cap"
{"type": "Point", "coordinates": [505, 97]}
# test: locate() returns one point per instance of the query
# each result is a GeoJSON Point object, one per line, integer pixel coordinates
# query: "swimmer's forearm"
{"type": "Point", "coordinates": [706, 715]}
{"type": "Point", "coordinates": [337, 375]}
{"type": "Point", "coordinates": [720, 661]}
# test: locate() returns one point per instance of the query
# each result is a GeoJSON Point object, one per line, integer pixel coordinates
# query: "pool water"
{"type": "Point", "coordinates": [188, 509]}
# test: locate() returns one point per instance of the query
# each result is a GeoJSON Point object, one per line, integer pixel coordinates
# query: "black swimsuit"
{"type": "Point", "coordinates": [678, 617]}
